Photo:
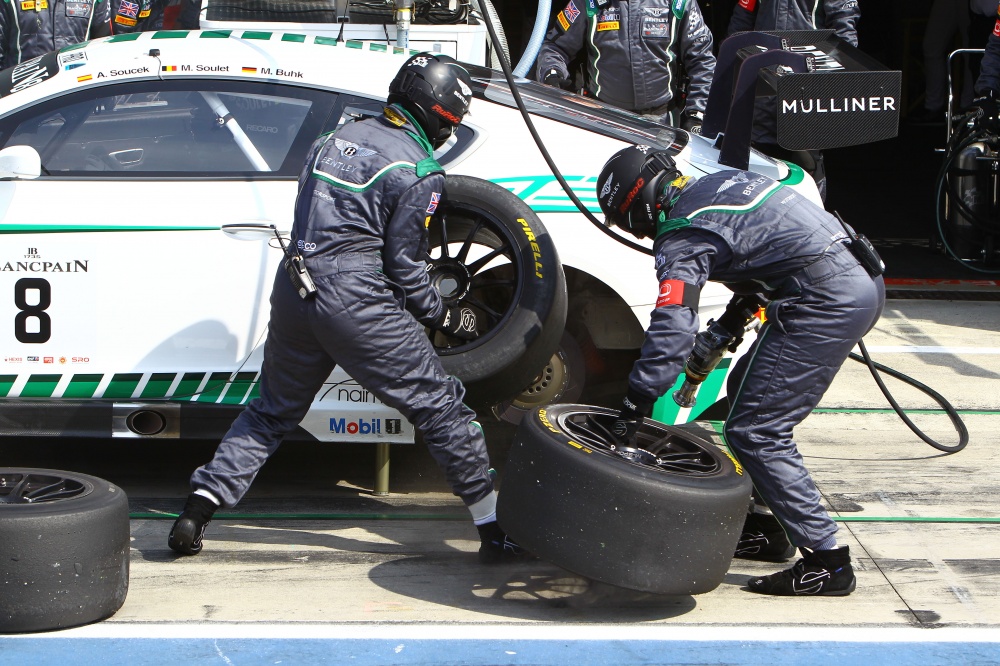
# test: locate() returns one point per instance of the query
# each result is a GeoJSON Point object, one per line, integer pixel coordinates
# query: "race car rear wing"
{"type": "Point", "coordinates": [828, 93]}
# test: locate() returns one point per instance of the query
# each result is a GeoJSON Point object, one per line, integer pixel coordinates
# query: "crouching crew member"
{"type": "Point", "coordinates": [756, 236]}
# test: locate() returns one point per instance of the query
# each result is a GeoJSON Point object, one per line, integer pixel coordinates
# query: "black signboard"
{"type": "Point", "coordinates": [819, 91]}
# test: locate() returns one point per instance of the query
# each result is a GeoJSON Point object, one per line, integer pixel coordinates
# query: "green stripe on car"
{"type": "Point", "coordinates": [216, 383]}
{"type": "Point", "coordinates": [82, 386]}
{"type": "Point", "coordinates": [238, 388]}
{"type": "Point", "coordinates": [158, 385]}
{"type": "Point", "coordinates": [40, 386]}
{"type": "Point", "coordinates": [122, 385]}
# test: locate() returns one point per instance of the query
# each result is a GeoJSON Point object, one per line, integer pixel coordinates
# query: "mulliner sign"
{"type": "Point", "coordinates": [831, 109]}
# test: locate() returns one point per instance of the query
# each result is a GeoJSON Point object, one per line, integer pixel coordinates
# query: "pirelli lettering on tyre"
{"type": "Point", "coordinates": [736, 463]}
{"type": "Point", "coordinates": [543, 417]}
{"type": "Point", "coordinates": [535, 250]}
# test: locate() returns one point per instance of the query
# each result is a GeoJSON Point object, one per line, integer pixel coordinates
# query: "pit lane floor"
{"type": "Point", "coordinates": [395, 580]}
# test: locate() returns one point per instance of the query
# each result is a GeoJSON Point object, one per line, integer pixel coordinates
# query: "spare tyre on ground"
{"type": "Point", "coordinates": [490, 252]}
{"type": "Point", "coordinates": [64, 549]}
{"type": "Point", "coordinates": [663, 516]}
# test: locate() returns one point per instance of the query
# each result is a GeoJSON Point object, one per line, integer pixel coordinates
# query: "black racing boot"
{"type": "Point", "coordinates": [189, 528]}
{"type": "Point", "coordinates": [821, 573]}
{"type": "Point", "coordinates": [763, 539]}
{"type": "Point", "coordinates": [496, 547]}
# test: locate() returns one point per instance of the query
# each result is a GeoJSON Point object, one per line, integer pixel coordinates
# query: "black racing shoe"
{"type": "Point", "coordinates": [773, 547]}
{"type": "Point", "coordinates": [496, 547]}
{"type": "Point", "coordinates": [763, 539]}
{"type": "Point", "coordinates": [821, 573]}
{"type": "Point", "coordinates": [189, 529]}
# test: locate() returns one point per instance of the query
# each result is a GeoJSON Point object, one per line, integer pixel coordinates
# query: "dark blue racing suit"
{"type": "Point", "coordinates": [757, 236]}
{"type": "Point", "coordinates": [841, 16]}
{"type": "Point", "coordinates": [30, 28]}
{"type": "Point", "coordinates": [137, 15]}
{"type": "Point", "coordinates": [365, 196]}
{"type": "Point", "coordinates": [989, 75]}
{"type": "Point", "coordinates": [634, 50]}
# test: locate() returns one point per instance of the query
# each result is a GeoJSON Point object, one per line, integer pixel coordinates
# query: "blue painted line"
{"type": "Point", "coordinates": [491, 652]}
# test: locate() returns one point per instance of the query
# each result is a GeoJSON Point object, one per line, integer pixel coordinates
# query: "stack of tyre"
{"type": "Point", "coordinates": [64, 549]}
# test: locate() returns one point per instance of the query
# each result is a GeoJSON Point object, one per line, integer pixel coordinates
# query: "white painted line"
{"type": "Point", "coordinates": [532, 632]}
{"type": "Point", "coordinates": [914, 349]}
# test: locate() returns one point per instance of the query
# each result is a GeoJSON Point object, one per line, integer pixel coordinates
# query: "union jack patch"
{"type": "Point", "coordinates": [433, 205]}
{"type": "Point", "coordinates": [571, 12]}
{"type": "Point", "coordinates": [129, 9]}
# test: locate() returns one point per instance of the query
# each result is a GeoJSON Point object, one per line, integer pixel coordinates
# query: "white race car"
{"type": "Point", "coordinates": [134, 305]}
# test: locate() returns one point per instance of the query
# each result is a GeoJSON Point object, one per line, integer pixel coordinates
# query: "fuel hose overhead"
{"type": "Point", "coordinates": [873, 367]}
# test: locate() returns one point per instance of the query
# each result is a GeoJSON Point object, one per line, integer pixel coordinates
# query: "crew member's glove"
{"type": "Point", "coordinates": [985, 107]}
{"type": "Point", "coordinates": [691, 121]}
{"type": "Point", "coordinates": [458, 322]}
{"type": "Point", "coordinates": [634, 409]}
{"type": "Point", "coordinates": [556, 80]}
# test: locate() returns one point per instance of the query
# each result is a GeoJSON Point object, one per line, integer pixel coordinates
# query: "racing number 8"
{"type": "Point", "coordinates": [28, 311]}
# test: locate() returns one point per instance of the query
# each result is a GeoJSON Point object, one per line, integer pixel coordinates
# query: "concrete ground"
{"type": "Point", "coordinates": [344, 576]}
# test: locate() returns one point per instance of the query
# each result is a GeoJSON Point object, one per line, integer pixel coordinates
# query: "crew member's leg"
{"type": "Point", "coordinates": [788, 370]}
{"type": "Point", "coordinates": [387, 351]}
{"type": "Point", "coordinates": [293, 371]}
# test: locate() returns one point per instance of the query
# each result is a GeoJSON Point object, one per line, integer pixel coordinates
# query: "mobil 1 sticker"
{"type": "Point", "coordinates": [28, 74]}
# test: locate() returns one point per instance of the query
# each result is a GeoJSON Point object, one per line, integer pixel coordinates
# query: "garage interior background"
{"type": "Point", "coordinates": [885, 189]}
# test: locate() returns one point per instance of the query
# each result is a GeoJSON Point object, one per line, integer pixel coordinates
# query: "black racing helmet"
{"type": "Point", "coordinates": [631, 185]}
{"type": "Point", "coordinates": [436, 90]}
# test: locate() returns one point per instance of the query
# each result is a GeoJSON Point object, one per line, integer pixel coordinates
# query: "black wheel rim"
{"type": "Point", "coordinates": [473, 261]}
{"type": "Point", "coordinates": [36, 488]}
{"type": "Point", "coordinates": [655, 447]}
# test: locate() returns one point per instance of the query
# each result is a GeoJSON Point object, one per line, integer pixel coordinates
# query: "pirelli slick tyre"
{"type": "Point", "coordinates": [64, 549]}
{"type": "Point", "coordinates": [489, 252]}
{"type": "Point", "coordinates": [662, 517]}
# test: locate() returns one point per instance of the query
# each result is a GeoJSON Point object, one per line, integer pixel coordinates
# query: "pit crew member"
{"type": "Point", "coordinates": [30, 28]}
{"type": "Point", "coordinates": [841, 16]}
{"type": "Point", "coordinates": [636, 52]}
{"type": "Point", "coordinates": [366, 194]}
{"type": "Point", "coordinates": [754, 235]}
{"type": "Point", "coordinates": [137, 15]}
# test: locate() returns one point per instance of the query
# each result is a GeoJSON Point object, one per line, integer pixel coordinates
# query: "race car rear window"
{"type": "Point", "coordinates": [584, 112]}
{"type": "Point", "coordinates": [181, 128]}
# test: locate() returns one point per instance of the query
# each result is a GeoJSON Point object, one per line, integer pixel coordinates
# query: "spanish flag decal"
{"type": "Point", "coordinates": [85, 77]}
